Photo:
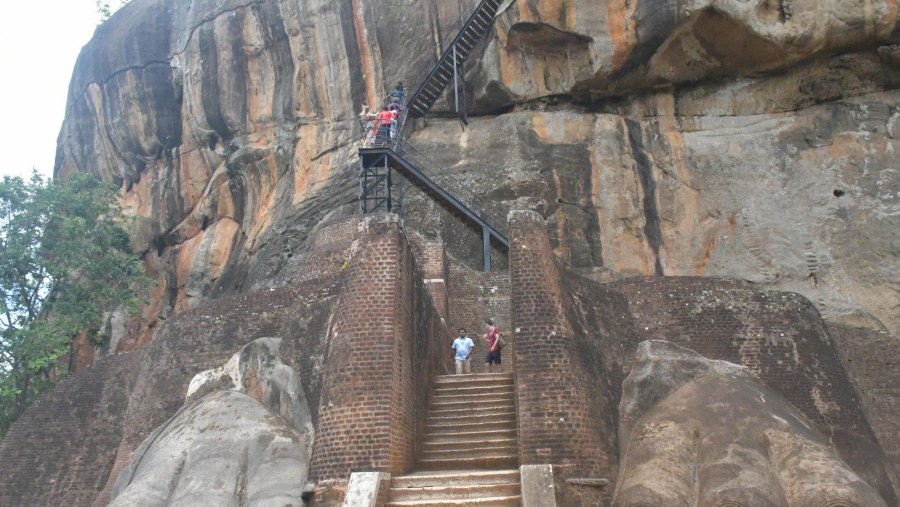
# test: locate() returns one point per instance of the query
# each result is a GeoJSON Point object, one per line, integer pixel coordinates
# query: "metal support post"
{"type": "Point", "coordinates": [455, 80]}
{"type": "Point", "coordinates": [400, 197]}
{"type": "Point", "coordinates": [486, 242]}
{"type": "Point", "coordinates": [362, 187]}
{"type": "Point", "coordinates": [388, 203]}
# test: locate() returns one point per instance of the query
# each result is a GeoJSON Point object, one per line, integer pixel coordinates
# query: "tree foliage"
{"type": "Point", "coordinates": [107, 8]}
{"type": "Point", "coordinates": [65, 262]}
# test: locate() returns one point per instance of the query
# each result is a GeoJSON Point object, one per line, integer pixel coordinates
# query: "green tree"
{"type": "Point", "coordinates": [65, 261]}
{"type": "Point", "coordinates": [107, 8]}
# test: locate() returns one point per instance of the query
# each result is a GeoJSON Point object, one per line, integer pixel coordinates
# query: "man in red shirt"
{"type": "Point", "coordinates": [493, 356]}
{"type": "Point", "coordinates": [383, 126]}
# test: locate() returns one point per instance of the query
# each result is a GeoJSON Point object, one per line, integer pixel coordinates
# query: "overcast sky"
{"type": "Point", "coordinates": [40, 42]}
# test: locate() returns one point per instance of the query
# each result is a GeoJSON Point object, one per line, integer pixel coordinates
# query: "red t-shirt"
{"type": "Point", "coordinates": [492, 337]}
{"type": "Point", "coordinates": [384, 118]}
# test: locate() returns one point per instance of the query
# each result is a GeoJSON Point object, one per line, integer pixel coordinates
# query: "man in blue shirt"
{"type": "Point", "coordinates": [463, 347]}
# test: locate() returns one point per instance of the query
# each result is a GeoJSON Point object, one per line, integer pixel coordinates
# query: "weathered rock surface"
{"type": "Point", "coordinates": [230, 127]}
{"type": "Point", "coordinates": [258, 372]}
{"type": "Point", "coordinates": [226, 445]}
{"type": "Point", "coordinates": [224, 449]}
{"type": "Point", "coordinates": [804, 201]}
{"type": "Point", "coordinates": [593, 49]}
{"type": "Point", "coordinates": [717, 437]}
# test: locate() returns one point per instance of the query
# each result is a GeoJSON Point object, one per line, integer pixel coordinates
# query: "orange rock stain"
{"type": "Point", "coordinates": [620, 21]}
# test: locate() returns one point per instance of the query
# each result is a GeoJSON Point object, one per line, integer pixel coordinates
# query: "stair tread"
{"type": "Point", "coordinates": [467, 433]}
{"type": "Point", "coordinates": [429, 488]}
{"type": "Point", "coordinates": [455, 491]}
{"type": "Point", "coordinates": [473, 396]}
{"type": "Point", "coordinates": [498, 452]}
{"type": "Point", "coordinates": [495, 421]}
{"type": "Point", "coordinates": [483, 409]}
{"type": "Point", "coordinates": [494, 441]}
{"type": "Point", "coordinates": [457, 477]}
{"type": "Point", "coordinates": [458, 473]}
{"type": "Point", "coordinates": [506, 500]}
{"type": "Point", "coordinates": [468, 416]}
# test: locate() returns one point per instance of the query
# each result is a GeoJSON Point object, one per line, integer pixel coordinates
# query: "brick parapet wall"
{"type": "Point", "coordinates": [565, 418]}
{"type": "Point", "coordinates": [780, 336]}
{"type": "Point", "coordinates": [64, 446]}
{"type": "Point", "coordinates": [81, 434]}
{"type": "Point", "coordinates": [332, 248]}
{"type": "Point", "coordinates": [474, 297]}
{"type": "Point", "coordinates": [432, 260]}
{"type": "Point", "coordinates": [388, 343]}
{"type": "Point", "coordinates": [872, 358]}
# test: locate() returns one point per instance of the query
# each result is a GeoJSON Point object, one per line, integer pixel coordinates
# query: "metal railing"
{"type": "Point", "coordinates": [490, 212]}
{"type": "Point", "coordinates": [425, 68]}
{"type": "Point", "coordinates": [381, 137]}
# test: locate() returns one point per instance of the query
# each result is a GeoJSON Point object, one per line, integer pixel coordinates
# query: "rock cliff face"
{"type": "Point", "coordinates": [752, 140]}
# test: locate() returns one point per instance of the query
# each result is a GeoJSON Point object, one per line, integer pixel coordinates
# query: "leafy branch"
{"type": "Point", "coordinates": [65, 264]}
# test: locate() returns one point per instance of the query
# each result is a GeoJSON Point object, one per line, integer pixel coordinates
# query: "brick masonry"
{"type": "Point", "coordinates": [872, 358]}
{"type": "Point", "coordinates": [69, 448]}
{"type": "Point", "coordinates": [474, 297]}
{"type": "Point", "coordinates": [575, 337]}
{"type": "Point", "coordinates": [386, 346]}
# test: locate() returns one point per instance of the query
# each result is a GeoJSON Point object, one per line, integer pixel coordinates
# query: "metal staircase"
{"type": "Point", "coordinates": [469, 29]}
{"type": "Point", "coordinates": [381, 191]}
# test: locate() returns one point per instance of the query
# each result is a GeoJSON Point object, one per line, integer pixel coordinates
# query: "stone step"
{"type": "Point", "coordinates": [476, 389]}
{"type": "Point", "coordinates": [473, 401]}
{"type": "Point", "coordinates": [470, 452]}
{"type": "Point", "coordinates": [506, 501]}
{"type": "Point", "coordinates": [475, 378]}
{"type": "Point", "coordinates": [505, 394]}
{"type": "Point", "coordinates": [467, 416]}
{"type": "Point", "coordinates": [468, 436]}
{"type": "Point", "coordinates": [432, 493]}
{"type": "Point", "coordinates": [498, 424]}
{"type": "Point", "coordinates": [470, 463]}
{"type": "Point", "coordinates": [471, 444]}
{"type": "Point", "coordinates": [482, 410]}
{"type": "Point", "coordinates": [456, 478]}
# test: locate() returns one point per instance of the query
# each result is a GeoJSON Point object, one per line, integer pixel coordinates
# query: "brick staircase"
{"type": "Point", "coordinates": [469, 453]}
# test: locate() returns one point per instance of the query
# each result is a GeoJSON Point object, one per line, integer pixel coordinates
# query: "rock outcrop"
{"type": "Point", "coordinates": [225, 446]}
{"type": "Point", "coordinates": [748, 146]}
{"type": "Point", "coordinates": [706, 433]}
{"type": "Point", "coordinates": [223, 449]}
{"type": "Point", "coordinates": [745, 139]}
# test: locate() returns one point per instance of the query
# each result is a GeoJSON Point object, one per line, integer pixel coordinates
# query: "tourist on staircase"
{"type": "Point", "coordinates": [383, 126]}
{"type": "Point", "coordinates": [463, 347]}
{"type": "Point", "coordinates": [494, 344]}
{"type": "Point", "coordinates": [367, 119]}
{"type": "Point", "coordinates": [398, 94]}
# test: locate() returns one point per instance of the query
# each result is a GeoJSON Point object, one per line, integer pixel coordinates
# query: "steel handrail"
{"type": "Point", "coordinates": [427, 68]}
{"type": "Point", "coordinates": [487, 210]}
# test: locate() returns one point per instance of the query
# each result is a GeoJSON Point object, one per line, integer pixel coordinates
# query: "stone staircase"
{"type": "Point", "coordinates": [469, 454]}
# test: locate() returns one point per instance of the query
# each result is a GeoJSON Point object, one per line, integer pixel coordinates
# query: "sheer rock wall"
{"type": "Point", "coordinates": [697, 137]}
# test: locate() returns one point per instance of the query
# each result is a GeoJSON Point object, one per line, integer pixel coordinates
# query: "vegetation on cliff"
{"type": "Point", "coordinates": [106, 8]}
{"type": "Point", "coordinates": [65, 262]}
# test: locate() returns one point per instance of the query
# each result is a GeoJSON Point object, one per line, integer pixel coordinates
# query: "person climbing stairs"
{"type": "Point", "coordinates": [469, 453]}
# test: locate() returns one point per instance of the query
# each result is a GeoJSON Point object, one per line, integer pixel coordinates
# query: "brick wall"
{"type": "Point", "coordinates": [61, 451]}
{"type": "Point", "coordinates": [576, 337]}
{"type": "Point", "coordinates": [82, 434]}
{"type": "Point", "coordinates": [331, 249]}
{"type": "Point", "coordinates": [565, 418]}
{"type": "Point", "coordinates": [388, 343]}
{"type": "Point", "coordinates": [432, 260]}
{"type": "Point", "coordinates": [474, 297]}
{"type": "Point", "coordinates": [872, 358]}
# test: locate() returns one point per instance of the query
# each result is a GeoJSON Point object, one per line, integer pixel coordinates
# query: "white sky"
{"type": "Point", "coordinates": [40, 42]}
